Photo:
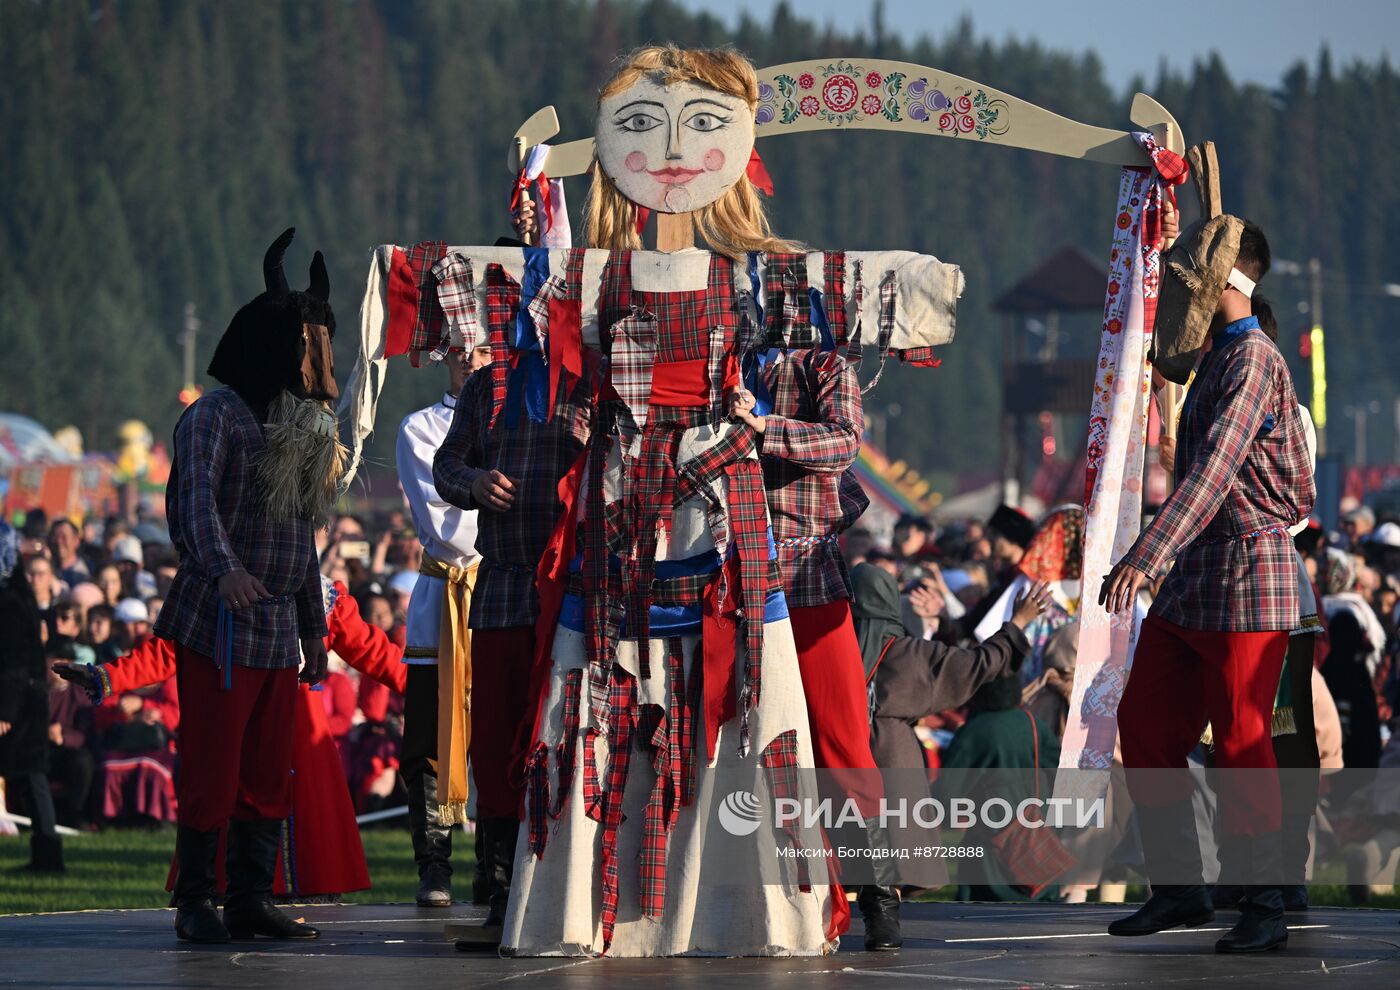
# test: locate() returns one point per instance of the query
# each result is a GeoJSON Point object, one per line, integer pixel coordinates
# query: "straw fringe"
{"type": "Point", "coordinates": [305, 460]}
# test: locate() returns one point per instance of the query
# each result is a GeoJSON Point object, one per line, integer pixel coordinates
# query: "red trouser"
{"type": "Point", "coordinates": [838, 713]}
{"type": "Point", "coordinates": [235, 745]}
{"type": "Point", "coordinates": [1180, 679]}
{"type": "Point", "coordinates": [501, 661]}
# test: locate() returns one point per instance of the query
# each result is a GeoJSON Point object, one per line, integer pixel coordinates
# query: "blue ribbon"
{"type": "Point", "coordinates": [530, 377]}
{"type": "Point", "coordinates": [819, 319]}
{"type": "Point", "coordinates": [223, 644]}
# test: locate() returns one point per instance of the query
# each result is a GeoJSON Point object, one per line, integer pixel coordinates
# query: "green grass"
{"type": "Point", "coordinates": [126, 868]}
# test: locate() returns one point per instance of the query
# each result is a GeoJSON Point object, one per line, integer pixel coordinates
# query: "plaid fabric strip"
{"type": "Point", "coordinates": [653, 726]}
{"type": "Point", "coordinates": [592, 790]}
{"type": "Point", "coordinates": [834, 273]}
{"type": "Point", "coordinates": [537, 773]}
{"type": "Point", "coordinates": [502, 302]}
{"type": "Point", "coordinates": [748, 513]}
{"type": "Point", "coordinates": [653, 489]}
{"type": "Point", "coordinates": [889, 291]}
{"type": "Point", "coordinates": [813, 438]}
{"type": "Point", "coordinates": [622, 703]}
{"type": "Point", "coordinates": [780, 770]}
{"type": "Point", "coordinates": [457, 299]}
{"type": "Point", "coordinates": [695, 474]}
{"type": "Point", "coordinates": [787, 307]}
{"type": "Point", "coordinates": [634, 346]}
{"type": "Point", "coordinates": [568, 747]}
{"type": "Point", "coordinates": [428, 330]}
{"type": "Point", "coordinates": [1235, 477]}
{"type": "Point", "coordinates": [682, 728]}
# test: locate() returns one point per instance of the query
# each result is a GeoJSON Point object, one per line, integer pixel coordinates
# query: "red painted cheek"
{"type": "Point", "coordinates": [714, 159]}
{"type": "Point", "coordinates": [635, 162]}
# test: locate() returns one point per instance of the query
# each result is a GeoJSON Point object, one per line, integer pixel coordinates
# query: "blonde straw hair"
{"type": "Point", "coordinates": [732, 225]}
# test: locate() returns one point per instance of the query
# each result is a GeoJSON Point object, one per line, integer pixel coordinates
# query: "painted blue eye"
{"type": "Point", "coordinates": [639, 123]}
{"type": "Point", "coordinates": [705, 122]}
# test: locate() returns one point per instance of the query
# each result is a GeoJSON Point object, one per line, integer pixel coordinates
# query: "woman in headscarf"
{"type": "Point", "coordinates": [1357, 640]}
{"type": "Point", "coordinates": [912, 678]}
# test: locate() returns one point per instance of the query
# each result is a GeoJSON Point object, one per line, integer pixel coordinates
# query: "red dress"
{"type": "Point", "coordinates": [326, 856]}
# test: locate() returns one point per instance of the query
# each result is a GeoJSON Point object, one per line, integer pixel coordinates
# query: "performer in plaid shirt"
{"type": "Point", "coordinates": [247, 596]}
{"type": "Point", "coordinates": [808, 442]}
{"type": "Point", "coordinates": [511, 472]}
{"type": "Point", "coordinates": [1213, 645]}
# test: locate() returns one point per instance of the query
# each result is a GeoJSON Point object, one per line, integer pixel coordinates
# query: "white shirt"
{"type": "Point", "coordinates": [448, 534]}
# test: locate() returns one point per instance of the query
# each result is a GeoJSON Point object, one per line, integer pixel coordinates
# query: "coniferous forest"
{"type": "Point", "coordinates": [153, 148]}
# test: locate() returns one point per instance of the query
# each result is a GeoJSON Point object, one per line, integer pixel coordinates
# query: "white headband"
{"type": "Point", "coordinates": [1241, 281]}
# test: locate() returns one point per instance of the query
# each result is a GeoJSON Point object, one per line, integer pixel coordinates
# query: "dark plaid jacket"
{"type": "Point", "coordinates": [214, 507]}
{"type": "Point", "coordinates": [810, 441]}
{"type": "Point", "coordinates": [1243, 477]}
{"type": "Point", "coordinates": [533, 455]}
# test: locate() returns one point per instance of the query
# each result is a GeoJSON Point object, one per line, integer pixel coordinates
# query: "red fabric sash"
{"type": "Point", "coordinates": [680, 383]}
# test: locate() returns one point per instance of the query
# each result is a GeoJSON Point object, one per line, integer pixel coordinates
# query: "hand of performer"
{"type": "Point", "coordinates": [1171, 226]}
{"type": "Point", "coordinates": [741, 406]}
{"type": "Point", "coordinates": [1121, 587]}
{"type": "Point", "coordinates": [1030, 604]}
{"type": "Point", "coordinates": [522, 218]}
{"type": "Point", "coordinates": [77, 673]}
{"type": "Point", "coordinates": [494, 491]}
{"type": "Point", "coordinates": [239, 589]}
{"type": "Point", "coordinates": [56, 733]}
{"type": "Point", "coordinates": [131, 705]}
{"type": "Point", "coordinates": [1166, 453]}
{"type": "Point", "coordinates": [5, 728]}
{"type": "Point", "coordinates": [313, 650]}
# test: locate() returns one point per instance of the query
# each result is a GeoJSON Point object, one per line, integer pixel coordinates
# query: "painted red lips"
{"type": "Point", "coordinates": [674, 175]}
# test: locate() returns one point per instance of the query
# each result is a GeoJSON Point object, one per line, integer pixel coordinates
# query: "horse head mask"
{"type": "Point", "coordinates": [281, 340]}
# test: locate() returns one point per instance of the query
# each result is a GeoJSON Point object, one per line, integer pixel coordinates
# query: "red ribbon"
{"type": "Point", "coordinates": [758, 174]}
{"type": "Point", "coordinates": [542, 192]}
{"type": "Point", "coordinates": [643, 214]}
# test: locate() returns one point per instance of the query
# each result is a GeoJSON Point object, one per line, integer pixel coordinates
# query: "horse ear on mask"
{"type": "Point", "coordinates": [320, 286]}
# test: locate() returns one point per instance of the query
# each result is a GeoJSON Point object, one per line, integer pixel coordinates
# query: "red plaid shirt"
{"type": "Point", "coordinates": [214, 507]}
{"type": "Point", "coordinates": [533, 455]}
{"type": "Point", "coordinates": [1244, 477]}
{"type": "Point", "coordinates": [811, 440]}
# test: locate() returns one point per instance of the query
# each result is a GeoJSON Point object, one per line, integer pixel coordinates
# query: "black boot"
{"type": "Point", "coordinates": [252, 859]}
{"type": "Point", "coordinates": [879, 906]}
{"type": "Point", "coordinates": [1261, 926]}
{"type": "Point", "coordinates": [45, 853]}
{"type": "Point", "coordinates": [195, 855]}
{"type": "Point", "coordinates": [498, 838]}
{"type": "Point", "coordinates": [1173, 852]}
{"type": "Point", "coordinates": [481, 879]}
{"type": "Point", "coordinates": [432, 843]}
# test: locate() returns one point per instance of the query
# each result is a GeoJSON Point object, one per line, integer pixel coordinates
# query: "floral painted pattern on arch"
{"type": "Point", "coordinates": [968, 113]}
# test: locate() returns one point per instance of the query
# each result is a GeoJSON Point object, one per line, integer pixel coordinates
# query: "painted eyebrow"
{"type": "Point", "coordinates": [634, 103]}
{"type": "Point", "coordinates": [703, 99]}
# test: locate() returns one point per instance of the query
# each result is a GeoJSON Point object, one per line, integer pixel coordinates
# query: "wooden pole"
{"type": "Point", "coordinates": [674, 231]}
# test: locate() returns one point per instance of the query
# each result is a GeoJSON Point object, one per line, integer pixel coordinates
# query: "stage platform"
{"type": "Point", "coordinates": [947, 945]}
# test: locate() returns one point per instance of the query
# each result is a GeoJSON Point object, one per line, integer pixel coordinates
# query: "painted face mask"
{"type": "Point", "coordinates": [673, 148]}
